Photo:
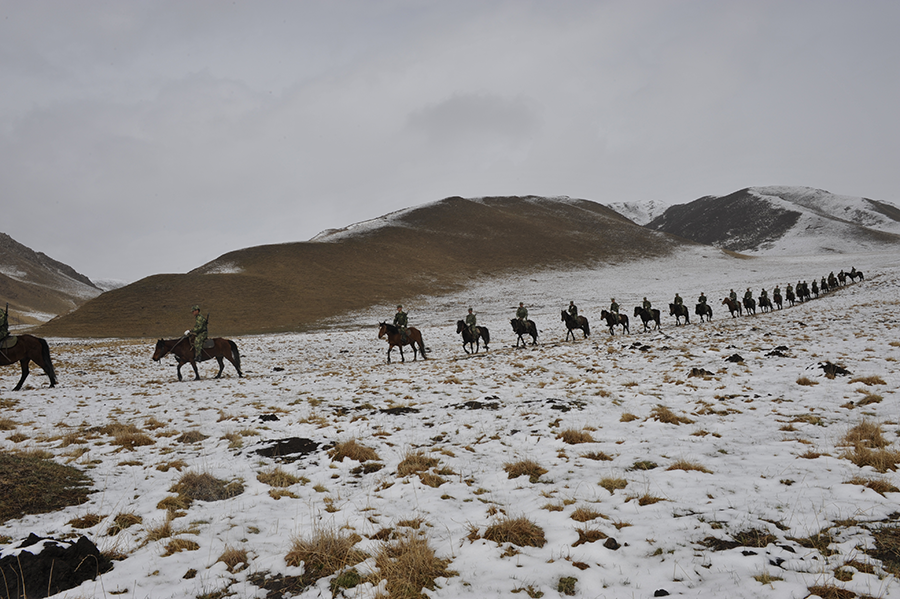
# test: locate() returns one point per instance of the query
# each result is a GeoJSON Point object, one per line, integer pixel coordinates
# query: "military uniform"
{"type": "Point", "coordinates": [522, 312]}
{"type": "Point", "coordinates": [647, 305]}
{"type": "Point", "coordinates": [678, 301]}
{"type": "Point", "coordinates": [732, 296]}
{"type": "Point", "coordinates": [471, 321]}
{"type": "Point", "coordinates": [199, 332]}
{"type": "Point", "coordinates": [702, 299]}
{"type": "Point", "coordinates": [573, 310]}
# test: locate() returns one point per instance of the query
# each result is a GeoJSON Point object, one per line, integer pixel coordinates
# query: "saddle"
{"type": "Point", "coordinates": [8, 341]}
{"type": "Point", "coordinates": [209, 344]}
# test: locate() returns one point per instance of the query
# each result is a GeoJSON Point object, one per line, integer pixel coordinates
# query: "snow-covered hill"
{"type": "Point", "coordinates": [640, 212]}
{"type": "Point", "coordinates": [707, 460]}
{"type": "Point", "coordinates": [785, 221]}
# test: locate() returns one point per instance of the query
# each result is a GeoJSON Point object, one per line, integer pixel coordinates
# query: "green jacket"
{"type": "Point", "coordinates": [647, 305]}
{"type": "Point", "coordinates": [200, 325]}
{"type": "Point", "coordinates": [614, 307]}
{"type": "Point", "coordinates": [401, 320]}
{"type": "Point", "coordinates": [471, 320]}
{"type": "Point", "coordinates": [522, 313]}
{"type": "Point", "coordinates": [573, 310]}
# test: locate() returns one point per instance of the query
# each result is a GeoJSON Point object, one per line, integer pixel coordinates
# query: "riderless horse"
{"type": "Point", "coordinates": [612, 319]}
{"type": "Point", "coordinates": [647, 316]}
{"type": "Point", "coordinates": [475, 338]}
{"type": "Point", "coordinates": [24, 349]}
{"type": "Point", "coordinates": [413, 337]}
{"type": "Point", "coordinates": [524, 328]}
{"type": "Point", "coordinates": [575, 322]}
{"type": "Point", "coordinates": [216, 348]}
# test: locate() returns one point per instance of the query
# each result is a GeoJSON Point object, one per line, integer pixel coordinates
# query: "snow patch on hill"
{"type": "Point", "coordinates": [639, 212]}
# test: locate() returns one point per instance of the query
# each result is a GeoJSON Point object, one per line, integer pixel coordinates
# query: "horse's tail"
{"type": "Point", "coordinates": [48, 363]}
{"type": "Point", "coordinates": [235, 354]}
{"type": "Point", "coordinates": [587, 327]}
{"type": "Point", "coordinates": [421, 345]}
{"type": "Point", "coordinates": [486, 335]}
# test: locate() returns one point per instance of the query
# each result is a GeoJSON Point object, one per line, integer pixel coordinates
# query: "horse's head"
{"type": "Point", "coordinates": [460, 326]}
{"type": "Point", "coordinates": [160, 350]}
{"type": "Point", "coordinates": [382, 329]}
{"type": "Point", "coordinates": [562, 315]}
{"type": "Point", "coordinates": [637, 310]}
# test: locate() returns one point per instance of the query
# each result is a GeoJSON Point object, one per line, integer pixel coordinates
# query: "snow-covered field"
{"type": "Point", "coordinates": [752, 452]}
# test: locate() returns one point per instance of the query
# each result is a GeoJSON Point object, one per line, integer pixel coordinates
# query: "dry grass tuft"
{"type": "Point", "coordinates": [868, 380]}
{"type": "Point", "coordinates": [7, 424]}
{"type": "Point", "coordinates": [234, 559]}
{"type": "Point", "coordinates": [202, 486]}
{"type": "Point", "coordinates": [588, 535]}
{"type": "Point", "coordinates": [122, 521]}
{"type": "Point", "coordinates": [598, 456]}
{"type": "Point", "coordinates": [518, 531]}
{"type": "Point", "coordinates": [409, 565]}
{"type": "Point", "coordinates": [325, 553]}
{"type": "Point", "coordinates": [806, 381]}
{"type": "Point", "coordinates": [573, 436]}
{"type": "Point", "coordinates": [869, 447]}
{"type": "Point", "coordinates": [626, 417]}
{"type": "Point", "coordinates": [353, 450]}
{"type": "Point", "coordinates": [667, 416]}
{"type": "Point", "coordinates": [688, 465]}
{"type": "Point", "coordinates": [612, 484]}
{"type": "Point", "coordinates": [528, 468]}
{"type": "Point", "coordinates": [277, 477]}
{"type": "Point", "coordinates": [415, 461]}
{"type": "Point", "coordinates": [86, 521]}
{"type": "Point", "coordinates": [585, 514]}
{"type": "Point", "coordinates": [177, 545]}
{"type": "Point", "coordinates": [192, 437]}
{"type": "Point", "coordinates": [879, 485]}
{"type": "Point", "coordinates": [865, 434]}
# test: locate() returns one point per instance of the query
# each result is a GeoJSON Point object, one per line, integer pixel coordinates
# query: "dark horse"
{"type": "Point", "coordinates": [856, 273]}
{"type": "Point", "coordinates": [702, 310]}
{"type": "Point", "coordinates": [27, 349]}
{"type": "Point", "coordinates": [524, 328]}
{"type": "Point", "coordinates": [470, 339]}
{"type": "Point", "coordinates": [612, 319]}
{"type": "Point", "coordinates": [647, 316]}
{"type": "Point", "coordinates": [750, 305]}
{"type": "Point", "coordinates": [183, 350]}
{"type": "Point", "coordinates": [575, 322]}
{"type": "Point", "coordinates": [678, 310]}
{"type": "Point", "coordinates": [733, 306]}
{"type": "Point", "coordinates": [765, 304]}
{"type": "Point", "coordinates": [777, 298]}
{"type": "Point", "coordinates": [413, 338]}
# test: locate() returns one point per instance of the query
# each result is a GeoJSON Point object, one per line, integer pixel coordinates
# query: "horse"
{"type": "Point", "coordinates": [469, 338]}
{"type": "Point", "coordinates": [776, 297]}
{"type": "Point", "coordinates": [28, 348]}
{"type": "Point", "coordinates": [678, 310]}
{"type": "Point", "coordinates": [750, 305]}
{"type": "Point", "coordinates": [575, 322]}
{"type": "Point", "coordinates": [612, 319]}
{"type": "Point", "coordinates": [765, 304]}
{"type": "Point", "coordinates": [183, 350]}
{"type": "Point", "coordinates": [856, 273]}
{"type": "Point", "coordinates": [790, 296]}
{"type": "Point", "coordinates": [803, 292]}
{"type": "Point", "coordinates": [413, 337]}
{"type": "Point", "coordinates": [842, 278]}
{"type": "Point", "coordinates": [733, 306]}
{"type": "Point", "coordinates": [524, 328]}
{"type": "Point", "coordinates": [823, 286]}
{"type": "Point", "coordinates": [702, 310]}
{"type": "Point", "coordinates": [647, 316]}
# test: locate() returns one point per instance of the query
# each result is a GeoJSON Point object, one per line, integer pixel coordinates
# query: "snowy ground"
{"type": "Point", "coordinates": [770, 447]}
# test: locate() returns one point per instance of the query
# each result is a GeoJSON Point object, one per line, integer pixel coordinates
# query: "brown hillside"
{"type": "Point", "coordinates": [428, 250]}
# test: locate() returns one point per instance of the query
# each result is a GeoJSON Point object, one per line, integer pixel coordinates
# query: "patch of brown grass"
{"type": "Point", "coordinates": [276, 477]}
{"type": "Point", "coordinates": [626, 417]}
{"type": "Point", "coordinates": [34, 484]}
{"type": "Point", "coordinates": [573, 436]}
{"type": "Point", "coordinates": [202, 486]}
{"type": "Point", "coordinates": [177, 545]}
{"type": "Point", "coordinates": [868, 380]}
{"type": "Point", "coordinates": [324, 553]}
{"type": "Point", "coordinates": [598, 456]}
{"type": "Point", "coordinates": [585, 514]}
{"type": "Point", "coordinates": [667, 416]}
{"type": "Point", "coordinates": [86, 521]}
{"type": "Point", "coordinates": [688, 465]}
{"type": "Point", "coordinates": [518, 531]}
{"type": "Point", "coordinates": [234, 559]}
{"type": "Point", "coordinates": [613, 484]}
{"type": "Point", "coordinates": [865, 434]}
{"type": "Point", "coordinates": [408, 565]}
{"type": "Point", "coordinates": [415, 461]}
{"type": "Point", "coordinates": [353, 450]}
{"type": "Point", "coordinates": [122, 521]}
{"type": "Point", "coordinates": [879, 485]}
{"type": "Point", "coordinates": [528, 468]}
{"type": "Point", "coordinates": [588, 535]}
{"type": "Point", "coordinates": [7, 424]}
{"type": "Point", "coordinates": [192, 437]}
{"type": "Point", "coordinates": [806, 381]}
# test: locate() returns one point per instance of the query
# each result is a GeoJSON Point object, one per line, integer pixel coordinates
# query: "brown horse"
{"type": "Point", "coordinates": [733, 306]}
{"type": "Point", "coordinates": [28, 348]}
{"type": "Point", "coordinates": [183, 350]}
{"type": "Point", "coordinates": [413, 337]}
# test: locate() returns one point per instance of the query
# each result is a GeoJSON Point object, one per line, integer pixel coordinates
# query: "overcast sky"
{"type": "Point", "coordinates": [142, 137]}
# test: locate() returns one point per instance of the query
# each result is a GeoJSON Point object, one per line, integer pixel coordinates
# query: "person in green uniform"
{"type": "Point", "coordinates": [199, 332]}
{"type": "Point", "coordinates": [647, 305]}
{"type": "Point", "coordinates": [748, 295]}
{"type": "Point", "coordinates": [614, 308]}
{"type": "Point", "coordinates": [732, 296]}
{"type": "Point", "coordinates": [471, 321]}
{"type": "Point", "coordinates": [702, 299]}
{"type": "Point", "coordinates": [678, 301]}
{"type": "Point", "coordinates": [522, 312]}
{"type": "Point", "coordinates": [573, 309]}
{"type": "Point", "coordinates": [401, 321]}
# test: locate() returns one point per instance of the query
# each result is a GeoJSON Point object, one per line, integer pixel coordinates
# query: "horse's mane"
{"type": "Point", "coordinates": [390, 328]}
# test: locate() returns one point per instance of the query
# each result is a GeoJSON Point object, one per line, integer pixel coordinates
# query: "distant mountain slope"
{"type": "Point", "coordinates": [37, 286]}
{"type": "Point", "coordinates": [785, 221]}
{"type": "Point", "coordinates": [640, 212]}
{"type": "Point", "coordinates": [426, 250]}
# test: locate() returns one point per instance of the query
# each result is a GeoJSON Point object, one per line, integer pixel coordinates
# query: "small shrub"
{"type": "Point", "coordinates": [566, 585]}
{"type": "Point", "coordinates": [528, 468]}
{"type": "Point", "coordinates": [644, 465]}
{"type": "Point", "coordinates": [573, 436]}
{"type": "Point", "coordinates": [202, 486]}
{"type": "Point", "coordinates": [518, 531]}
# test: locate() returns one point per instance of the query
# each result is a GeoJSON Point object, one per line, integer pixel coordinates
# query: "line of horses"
{"type": "Point", "coordinates": [28, 348]}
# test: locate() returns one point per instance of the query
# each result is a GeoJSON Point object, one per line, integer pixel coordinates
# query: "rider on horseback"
{"type": "Point", "coordinates": [733, 296]}
{"type": "Point", "coordinates": [702, 299]}
{"type": "Point", "coordinates": [199, 332]}
{"type": "Point", "coordinates": [614, 309]}
{"type": "Point", "coordinates": [748, 295]}
{"type": "Point", "coordinates": [401, 321]}
{"type": "Point", "coordinates": [678, 301]}
{"type": "Point", "coordinates": [573, 310]}
{"type": "Point", "coordinates": [522, 312]}
{"type": "Point", "coordinates": [471, 320]}
{"type": "Point", "coordinates": [646, 304]}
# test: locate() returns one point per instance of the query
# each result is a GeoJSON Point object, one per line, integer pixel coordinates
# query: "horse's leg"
{"type": "Point", "coordinates": [196, 372]}
{"type": "Point", "coordinates": [390, 347]}
{"type": "Point", "coordinates": [402, 359]}
{"type": "Point", "coordinates": [24, 363]}
{"type": "Point", "coordinates": [221, 366]}
{"type": "Point", "coordinates": [180, 364]}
